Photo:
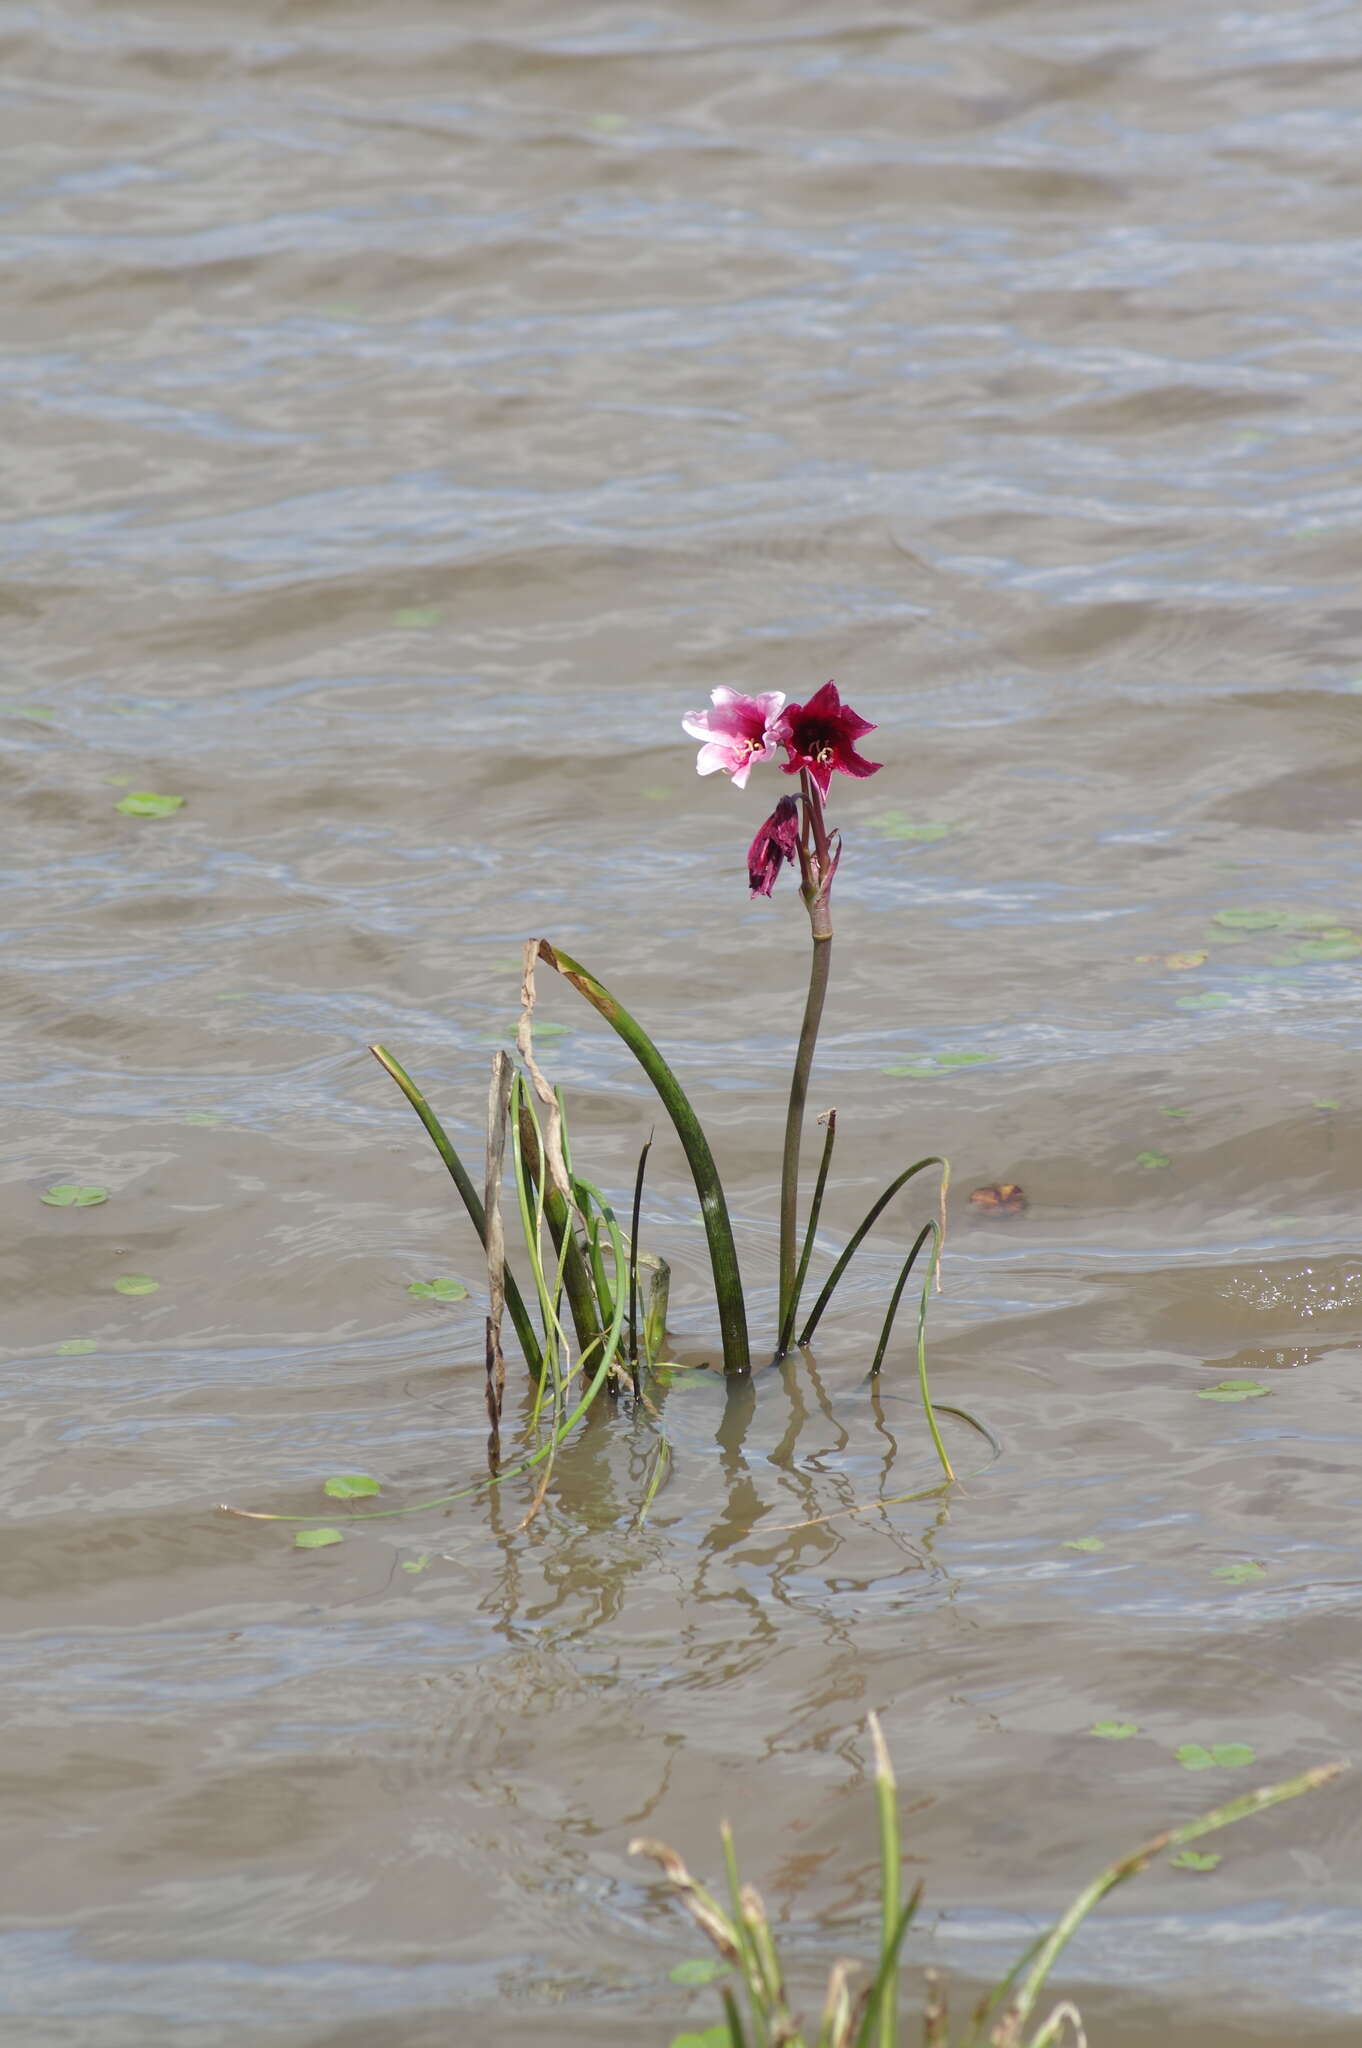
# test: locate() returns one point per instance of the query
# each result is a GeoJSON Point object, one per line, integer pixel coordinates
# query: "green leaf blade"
{"type": "Point", "coordinates": [723, 1256]}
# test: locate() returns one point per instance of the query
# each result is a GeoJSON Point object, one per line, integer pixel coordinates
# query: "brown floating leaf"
{"type": "Point", "coordinates": [1005, 1198]}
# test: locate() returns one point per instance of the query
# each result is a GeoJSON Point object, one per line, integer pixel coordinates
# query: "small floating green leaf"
{"type": "Point", "coordinates": [1238, 1574]}
{"type": "Point", "coordinates": [317, 1539]}
{"type": "Point", "coordinates": [438, 1290]}
{"type": "Point", "coordinates": [136, 1283]}
{"type": "Point", "coordinates": [1210, 999]}
{"type": "Point", "coordinates": [66, 1195]}
{"type": "Point", "coordinates": [1115, 1731]}
{"type": "Point", "coordinates": [1175, 1112]}
{"type": "Point", "coordinates": [698, 1970]}
{"type": "Point", "coordinates": [932, 1065]}
{"type": "Point", "coordinates": [1326, 948]}
{"type": "Point", "coordinates": [1325, 1102]}
{"type": "Point", "coordinates": [1195, 1859]}
{"type": "Point", "coordinates": [418, 618]}
{"type": "Point", "coordinates": [899, 825]}
{"type": "Point", "coordinates": [1250, 920]}
{"type": "Point", "coordinates": [76, 1347]}
{"type": "Point", "coordinates": [1085, 1543]}
{"type": "Point", "coordinates": [206, 1117]}
{"type": "Point", "coordinates": [1152, 1159]}
{"type": "Point", "coordinates": [1232, 1390]}
{"type": "Point", "coordinates": [145, 803]}
{"type": "Point", "coordinates": [1224, 1756]}
{"type": "Point", "coordinates": [416, 1564]}
{"type": "Point", "coordinates": [351, 1486]}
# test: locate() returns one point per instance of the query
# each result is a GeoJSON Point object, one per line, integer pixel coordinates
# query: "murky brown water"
{"type": "Point", "coordinates": [412, 412]}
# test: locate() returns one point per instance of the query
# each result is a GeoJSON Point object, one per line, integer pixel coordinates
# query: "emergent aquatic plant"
{"type": "Point", "coordinates": [589, 1311]}
{"type": "Point", "coordinates": [575, 1251]}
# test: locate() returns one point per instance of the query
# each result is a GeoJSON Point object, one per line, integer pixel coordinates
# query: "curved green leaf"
{"type": "Point", "coordinates": [866, 1225]}
{"type": "Point", "coordinates": [723, 1257]}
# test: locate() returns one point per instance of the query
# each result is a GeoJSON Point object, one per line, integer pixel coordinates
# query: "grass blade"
{"type": "Point", "coordinates": [1013, 2023]}
{"type": "Point", "coordinates": [472, 1201]}
{"type": "Point", "coordinates": [895, 1298]}
{"type": "Point", "coordinates": [723, 1257]}
{"type": "Point", "coordinates": [634, 1216]}
{"type": "Point", "coordinates": [926, 1391]}
{"type": "Point", "coordinates": [895, 1919]}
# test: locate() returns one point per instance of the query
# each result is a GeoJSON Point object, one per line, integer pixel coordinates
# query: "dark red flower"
{"type": "Point", "coordinates": [776, 843]}
{"type": "Point", "coordinates": [821, 735]}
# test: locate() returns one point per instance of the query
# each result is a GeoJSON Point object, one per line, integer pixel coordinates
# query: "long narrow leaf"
{"type": "Point", "coordinates": [472, 1201]}
{"type": "Point", "coordinates": [867, 1223]}
{"type": "Point", "coordinates": [891, 1934]}
{"type": "Point", "coordinates": [635, 1215]}
{"type": "Point", "coordinates": [1014, 2020]}
{"type": "Point", "coordinates": [529, 1197]}
{"type": "Point", "coordinates": [887, 1329]}
{"type": "Point", "coordinates": [498, 1101]}
{"type": "Point", "coordinates": [723, 1257]}
{"type": "Point", "coordinates": [558, 1215]}
{"type": "Point", "coordinates": [926, 1391]}
{"type": "Point", "coordinates": [879, 2004]}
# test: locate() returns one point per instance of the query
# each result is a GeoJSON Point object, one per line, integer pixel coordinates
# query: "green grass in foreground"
{"type": "Point", "coordinates": [1006, 2018]}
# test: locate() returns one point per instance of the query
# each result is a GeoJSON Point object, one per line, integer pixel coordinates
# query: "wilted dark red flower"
{"type": "Point", "coordinates": [821, 735]}
{"type": "Point", "coordinates": [776, 843]}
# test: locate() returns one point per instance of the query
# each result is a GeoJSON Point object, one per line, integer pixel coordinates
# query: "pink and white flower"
{"type": "Point", "coordinates": [737, 733]}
